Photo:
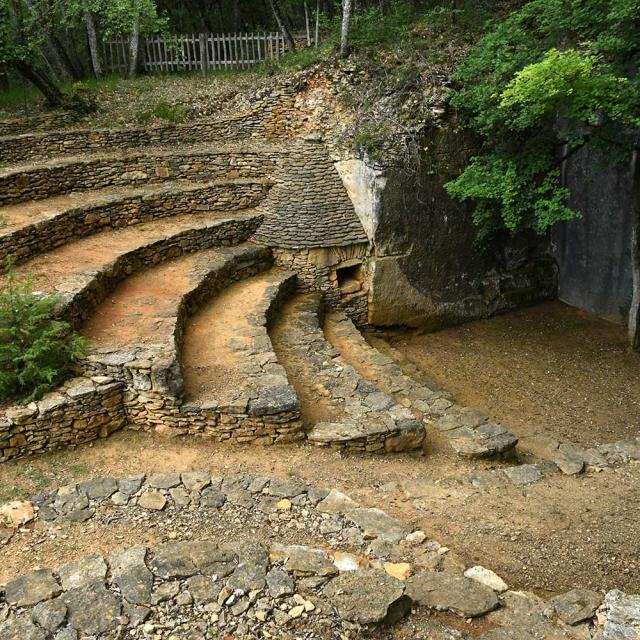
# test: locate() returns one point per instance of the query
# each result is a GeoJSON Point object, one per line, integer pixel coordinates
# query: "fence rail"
{"type": "Point", "coordinates": [193, 52]}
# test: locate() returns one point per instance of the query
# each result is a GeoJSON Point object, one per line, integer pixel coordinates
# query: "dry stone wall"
{"type": "Point", "coordinates": [97, 172]}
{"type": "Point", "coordinates": [83, 293]}
{"type": "Point", "coordinates": [123, 211]}
{"type": "Point", "coordinates": [39, 146]}
{"type": "Point", "coordinates": [272, 117]}
{"type": "Point", "coordinates": [154, 396]}
{"type": "Point", "coordinates": [56, 119]}
{"type": "Point", "coordinates": [82, 410]}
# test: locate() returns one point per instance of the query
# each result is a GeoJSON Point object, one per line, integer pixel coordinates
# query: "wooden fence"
{"type": "Point", "coordinates": [195, 52]}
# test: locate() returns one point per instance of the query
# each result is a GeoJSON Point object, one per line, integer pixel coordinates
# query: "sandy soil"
{"type": "Point", "coordinates": [550, 537]}
{"type": "Point", "coordinates": [92, 253]}
{"type": "Point", "coordinates": [550, 370]}
{"type": "Point", "coordinates": [211, 365]}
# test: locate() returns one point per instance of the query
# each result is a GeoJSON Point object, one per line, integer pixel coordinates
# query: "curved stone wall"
{"type": "Point", "coordinates": [114, 212]}
{"type": "Point", "coordinates": [62, 176]}
{"type": "Point", "coordinates": [153, 379]}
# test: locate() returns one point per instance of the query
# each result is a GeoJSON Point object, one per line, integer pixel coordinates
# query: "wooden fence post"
{"type": "Point", "coordinates": [204, 51]}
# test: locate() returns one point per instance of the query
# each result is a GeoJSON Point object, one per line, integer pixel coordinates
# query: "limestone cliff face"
{"type": "Point", "coordinates": [424, 268]}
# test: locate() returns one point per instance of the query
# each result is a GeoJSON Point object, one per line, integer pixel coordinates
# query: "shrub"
{"type": "Point", "coordinates": [36, 350]}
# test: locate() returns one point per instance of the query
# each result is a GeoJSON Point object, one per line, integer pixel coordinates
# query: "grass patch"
{"type": "Point", "coordinates": [164, 110]}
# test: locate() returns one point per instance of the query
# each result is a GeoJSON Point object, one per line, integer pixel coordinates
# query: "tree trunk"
{"type": "Point", "coordinates": [93, 43]}
{"type": "Point", "coordinates": [306, 22]}
{"type": "Point", "coordinates": [58, 58]}
{"type": "Point", "coordinates": [347, 6]}
{"type": "Point", "coordinates": [76, 73]}
{"type": "Point", "coordinates": [236, 16]}
{"type": "Point", "coordinates": [134, 46]}
{"type": "Point", "coordinates": [634, 311]}
{"type": "Point", "coordinates": [317, 22]}
{"type": "Point", "coordinates": [286, 34]}
{"type": "Point", "coordinates": [42, 82]}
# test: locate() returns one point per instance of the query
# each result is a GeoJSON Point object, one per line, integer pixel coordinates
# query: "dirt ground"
{"type": "Point", "coordinates": [550, 369]}
{"type": "Point", "coordinates": [550, 537]}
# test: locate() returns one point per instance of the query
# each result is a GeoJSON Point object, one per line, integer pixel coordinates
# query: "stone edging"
{"type": "Point", "coordinates": [66, 417]}
{"type": "Point", "coordinates": [248, 586]}
{"type": "Point", "coordinates": [117, 211]}
{"type": "Point", "coordinates": [468, 431]}
{"type": "Point", "coordinates": [373, 422]}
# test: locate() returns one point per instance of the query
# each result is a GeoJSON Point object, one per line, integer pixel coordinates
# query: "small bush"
{"type": "Point", "coordinates": [36, 350]}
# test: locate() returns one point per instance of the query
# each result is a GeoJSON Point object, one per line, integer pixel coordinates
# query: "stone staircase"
{"type": "Point", "coordinates": [356, 414]}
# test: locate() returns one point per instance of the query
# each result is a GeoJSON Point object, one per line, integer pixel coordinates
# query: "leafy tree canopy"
{"type": "Point", "coordinates": [542, 82]}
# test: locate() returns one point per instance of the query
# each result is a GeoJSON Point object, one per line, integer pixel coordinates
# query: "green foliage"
{"type": "Point", "coordinates": [552, 75]}
{"type": "Point", "coordinates": [164, 110]}
{"type": "Point", "coordinates": [568, 84]}
{"type": "Point", "coordinates": [36, 351]}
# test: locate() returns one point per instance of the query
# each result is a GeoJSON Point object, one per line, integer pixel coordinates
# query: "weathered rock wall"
{"type": "Point", "coordinates": [425, 269]}
{"type": "Point", "coordinates": [594, 252]}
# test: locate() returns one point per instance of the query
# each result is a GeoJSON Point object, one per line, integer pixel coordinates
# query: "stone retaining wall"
{"type": "Point", "coordinates": [82, 410]}
{"type": "Point", "coordinates": [123, 211]}
{"type": "Point", "coordinates": [62, 176]}
{"type": "Point", "coordinates": [39, 146]}
{"type": "Point", "coordinates": [154, 397]}
{"type": "Point", "coordinates": [273, 116]}
{"type": "Point", "coordinates": [17, 126]}
{"type": "Point", "coordinates": [81, 296]}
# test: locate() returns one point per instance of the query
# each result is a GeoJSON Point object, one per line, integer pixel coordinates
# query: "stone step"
{"type": "Point", "coordinates": [37, 181]}
{"type": "Point", "coordinates": [83, 273]}
{"type": "Point", "coordinates": [343, 410]}
{"type": "Point", "coordinates": [189, 316]}
{"type": "Point", "coordinates": [228, 359]}
{"type": "Point", "coordinates": [31, 229]}
{"type": "Point", "coordinates": [470, 433]}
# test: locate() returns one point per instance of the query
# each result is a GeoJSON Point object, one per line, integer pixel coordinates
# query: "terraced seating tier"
{"type": "Point", "coordinates": [31, 230]}
{"type": "Point", "coordinates": [84, 272]}
{"type": "Point", "coordinates": [228, 358]}
{"type": "Point", "coordinates": [40, 146]}
{"type": "Point", "coordinates": [468, 431]}
{"type": "Point", "coordinates": [148, 342]}
{"type": "Point", "coordinates": [196, 163]}
{"type": "Point", "coordinates": [348, 411]}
